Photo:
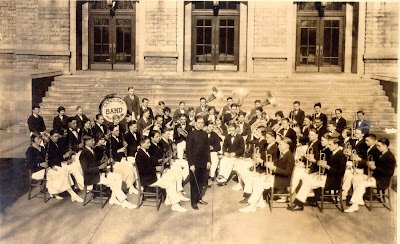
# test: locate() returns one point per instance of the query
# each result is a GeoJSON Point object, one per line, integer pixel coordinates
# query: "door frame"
{"type": "Point", "coordinates": [112, 39]}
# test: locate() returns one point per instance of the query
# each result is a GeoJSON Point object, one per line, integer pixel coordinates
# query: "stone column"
{"type": "Point", "coordinates": [140, 35]}
{"type": "Point", "coordinates": [72, 35]}
{"type": "Point", "coordinates": [250, 36]}
{"type": "Point", "coordinates": [291, 37]}
{"type": "Point", "coordinates": [180, 9]}
{"type": "Point", "coordinates": [85, 36]}
{"type": "Point", "coordinates": [242, 36]}
{"type": "Point", "coordinates": [348, 38]}
{"type": "Point", "coordinates": [361, 39]}
{"type": "Point", "coordinates": [187, 39]}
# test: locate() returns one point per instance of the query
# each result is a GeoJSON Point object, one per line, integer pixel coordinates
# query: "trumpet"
{"type": "Point", "coordinates": [182, 131]}
{"type": "Point", "coordinates": [268, 171]}
{"type": "Point", "coordinates": [353, 127]}
{"type": "Point", "coordinates": [256, 154]}
{"type": "Point", "coordinates": [321, 170]}
{"type": "Point", "coordinates": [309, 153]}
{"type": "Point", "coordinates": [292, 119]}
{"type": "Point", "coordinates": [355, 163]}
{"type": "Point", "coordinates": [370, 161]}
{"type": "Point", "coordinates": [347, 150]}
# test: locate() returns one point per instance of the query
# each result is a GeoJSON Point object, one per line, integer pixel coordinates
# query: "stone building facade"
{"type": "Point", "coordinates": [172, 37]}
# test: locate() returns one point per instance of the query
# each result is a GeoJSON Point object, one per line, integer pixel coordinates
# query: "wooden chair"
{"type": "Point", "coordinates": [101, 190]}
{"type": "Point", "coordinates": [271, 194]}
{"type": "Point", "coordinates": [33, 183]}
{"type": "Point", "coordinates": [380, 195]}
{"type": "Point", "coordinates": [335, 194]}
{"type": "Point", "coordinates": [153, 194]}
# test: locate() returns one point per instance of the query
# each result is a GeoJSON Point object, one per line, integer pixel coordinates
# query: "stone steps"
{"type": "Point", "coordinates": [333, 91]}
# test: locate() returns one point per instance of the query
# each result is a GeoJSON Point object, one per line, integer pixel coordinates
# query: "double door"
{"type": "Point", "coordinates": [111, 41]}
{"type": "Point", "coordinates": [319, 44]}
{"type": "Point", "coordinates": [215, 43]}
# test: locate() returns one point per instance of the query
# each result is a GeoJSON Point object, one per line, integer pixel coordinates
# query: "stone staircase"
{"type": "Point", "coordinates": [348, 92]}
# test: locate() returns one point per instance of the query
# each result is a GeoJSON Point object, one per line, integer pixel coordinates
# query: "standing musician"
{"type": "Point", "coordinates": [276, 123]}
{"type": "Point", "coordinates": [296, 115]}
{"type": "Point", "coordinates": [233, 149]}
{"type": "Point", "coordinates": [305, 130]}
{"type": "Point", "coordinates": [191, 116]}
{"type": "Point", "coordinates": [383, 169]}
{"type": "Point", "coordinates": [179, 111]}
{"type": "Point", "coordinates": [256, 117]}
{"type": "Point", "coordinates": [160, 109]}
{"type": "Point", "coordinates": [35, 121]}
{"type": "Point", "coordinates": [243, 127]}
{"type": "Point", "coordinates": [227, 108]}
{"type": "Point", "coordinates": [279, 179]}
{"type": "Point", "coordinates": [319, 114]}
{"type": "Point", "coordinates": [80, 117]}
{"type": "Point", "coordinates": [319, 126]}
{"type": "Point", "coordinates": [181, 131]}
{"type": "Point", "coordinates": [215, 147]}
{"type": "Point", "coordinates": [93, 175]}
{"type": "Point", "coordinates": [212, 114]}
{"type": "Point", "coordinates": [132, 103]}
{"type": "Point", "coordinates": [167, 119]}
{"type": "Point", "coordinates": [202, 110]}
{"type": "Point", "coordinates": [253, 112]}
{"type": "Point", "coordinates": [145, 106]}
{"type": "Point", "coordinates": [132, 138]}
{"type": "Point", "coordinates": [288, 132]}
{"type": "Point", "coordinates": [339, 120]}
{"type": "Point", "coordinates": [332, 130]}
{"type": "Point", "coordinates": [198, 156]}
{"type": "Point", "coordinates": [361, 123]}
{"type": "Point", "coordinates": [345, 138]}
{"type": "Point", "coordinates": [333, 168]}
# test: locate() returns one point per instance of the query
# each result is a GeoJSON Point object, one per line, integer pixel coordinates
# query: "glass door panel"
{"type": "Point", "coordinates": [100, 42]}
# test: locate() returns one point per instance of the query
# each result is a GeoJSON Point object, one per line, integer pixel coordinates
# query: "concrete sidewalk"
{"type": "Point", "coordinates": [61, 221]}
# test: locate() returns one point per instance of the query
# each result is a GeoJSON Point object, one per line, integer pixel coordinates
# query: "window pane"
{"type": "Point", "coordinates": [208, 35]}
{"type": "Point", "coordinates": [312, 36]}
{"type": "Point", "coordinates": [200, 34]}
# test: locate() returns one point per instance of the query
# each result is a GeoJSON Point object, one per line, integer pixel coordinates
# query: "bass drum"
{"type": "Point", "coordinates": [111, 107]}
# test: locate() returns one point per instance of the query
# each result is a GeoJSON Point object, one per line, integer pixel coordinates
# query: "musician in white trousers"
{"type": "Point", "coordinates": [381, 172]}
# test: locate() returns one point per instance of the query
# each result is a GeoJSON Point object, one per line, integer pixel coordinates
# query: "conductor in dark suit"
{"type": "Point", "coordinates": [198, 157]}
{"type": "Point", "coordinates": [132, 103]}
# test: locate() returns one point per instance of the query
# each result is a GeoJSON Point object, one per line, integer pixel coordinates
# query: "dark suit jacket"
{"type": "Point", "coordinates": [132, 143]}
{"type": "Point", "coordinates": [365, 126]}
{"type": "Point", "coordinates": [384, 169]}
{"type": "Point", "coordinates": [35, 157]}
{"type": "Point", "coordinates": [198, 148]}
{"type": "Point", "coordinates": [97, 130]}
{"type": "Point", "coordinates": [337, 163]}
{"type": "Point", "coordinates": [177, 114]}
{"type": "Point", "coordinates": [284, 169]}
{"type": "Point", "coordinates": [115, 146]}
{"type": "Point", "coordinates": [215, 141]}
{"type": "Point", "coordinates": [79, 121]}
{"type": "Point", "coordinates": [291, 134]}
{"type": "Point", "coordinates": [274, 151]}
{"type": "Point", "coordinates": [375, 153]}
{"type": "Point", "coordinates": [340, 124]}
{"type": "Point", "coordinates": [246, 129]}
{"type": "Point", "coordinates": [143, 124]}
{"type": "Point", "coordinates": [54, 154]}
{"type": "Point", "coordinates": [132, 104]}
{"type": "Point", "coordinates": [90, 169]}
{"type": "Point", "coordinates": [305, 131]}
{"type": "Point", "coordinates": [146, 168]}
{"type": "Point", "coordinates": [361, 148]}
{"type": "Point", "coordinates": [36, 124]}
{"type": "Point", "coordinates": [323, 118]}
{"type": "Point", "coordinates": [87, 132]}
{"type": "Point", "coordinates": [178, 137]}
{"type": "Point", "coordinates": [60, 124]}
{"type": "Point", "coordinates": [74, 141]}
{"type": "Point", "coordinates": [237, 146]}
{"type": "Point", "coordinates": [156, 153]}
{"type": "Point", "coordinates": [228, 117]}
{"type": "Point", "coordinates": [321, 131]}
{"type": "Point", "coordinates": [299, 117]}
{"type": "Point", "coordinates": [148, 108]}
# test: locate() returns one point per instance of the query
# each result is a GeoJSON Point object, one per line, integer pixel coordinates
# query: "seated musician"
{"type": "Point", "coordinates": [87, 128]}
{"type": "Point", "coordinates": [93, 173]}
{"type": "Point", "coordinates": [202, 110]}
{"type": "Point", "coordinates": [362, 124]}
{"type": "Point", "coordinates": [100, 127]}
{"type": "Point", "coordinates": [275, 124]}
{"type": "Point", "coordinates": [288, 132]}
{"type": "Point", "coordinates": [145, 106]}
{"type": "Point", "coordinates": [160, 108]}
{"type": "Point", "coordinates": [179, 111]}
{"type": "Point", "coordinates": [58, 178]}
{"type": "Point", "coordinates": [215, 147]}
{"type": "Point", "coordinates": [116, 121]}
{"type": "Point", "coordinates": [329, 175]}
{"type": "Point", "coordinates": [382, 171]}
{"type": "Point", "coordinates": [319, 126]}
{"type": "Point", "coordinates": [297, 115]}
{"type": "Point", "coordinates": [144, 122]}
{"type": "Point", "coordinates": [74, 135]}
{"type": "Point", "coordinates": [255, 116]}
{"type": "Point", "coordinates": [158, 123]}
{"type": "Point", "coordinates": [181, 166]}
{"type": "Point", "coordinates": [243, 127]}
{"type": "Point", "coordinates": [212, 114]}
{"type": "Point", "coordinates": [232, 116]}
{"type": "Point", "coordinates": [355, 171]}
{"type": "Point", "coordinates": [181, 132]}
{"type": "Point", "coordinates": [233, 149]}
{"type": "Point", "coordinates": [281, 171]}
{"type": "Point", "coordinates": [132, 138]}
{"type": "Point", "coordinates": [345, 138]}
{"type": "Point", "coordinates": [339, 120]}
{"type": "Point", "coordinates": [167, 119]}
{"type": "Point", "coordinates": [305, 129]}
{"type": "Point", "coordinates": [318, 114]}
{"type": "Point", "coordinates": [147, 165]}
{"type": "Point", "coordinates": [332, 130]}
{"type": "Point", "coordinates": [227, 108]}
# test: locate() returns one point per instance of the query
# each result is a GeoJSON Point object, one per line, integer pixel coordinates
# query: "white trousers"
{"type": "Point", "coordinates": [76, 170]}
{"type": "Point", "coordinates": [309, 183]}
{"type": "Point", "coordinates": [170, 181]}
{"type": "Point", "coordinates": [214, 163]}
{"type": "Point", "coordinates": [299, 173]}
{"type": "Point", "coordinates": [113, 181]}
{"type": "Point", "coordinates": [58, 179]}
{"type": "Point", "coordinates": [360, 183]}
{"type": "Point", "coordinates": [126, 170]}
{"type": "Point", "coordinates": [182, 167]}
{"type": "Point", "coordinates": [180, 149]}
{"type": "Point", "coordinates": [259, 183]}
{"type": "Point", "coordinates": [228, 164]}
{"type": "Point", "coordinates": [348, 178]}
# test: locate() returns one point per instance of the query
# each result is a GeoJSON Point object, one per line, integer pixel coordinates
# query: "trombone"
{"type": "Point", "coordinates": [355, 163]}
{"type": "Point", "coordinates": [308, 154]}
{"type": "Point", "coordinates": [268, 171]}
{"type": "Point", "coordinates": [370, 161]}
{"type": "Point", "coordinates": [321, 170]}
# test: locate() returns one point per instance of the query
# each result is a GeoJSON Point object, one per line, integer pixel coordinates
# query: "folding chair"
{"type": "Point", "coordinates": [100, 190]}
{"type": "Point", "coordinates": [336, 195]}
{"type": "Point", "coordinates": [271, 194]}
{"type": "Point", "coordinates": [381, 195]}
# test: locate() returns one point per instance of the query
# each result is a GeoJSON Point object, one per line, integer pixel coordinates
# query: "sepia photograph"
{"type": "Point", "coordinates": [174, 121]}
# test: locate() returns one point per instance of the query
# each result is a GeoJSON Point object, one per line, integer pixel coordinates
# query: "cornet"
{"type": "Point", "coordinates": [309, 153]}
{"type": "Point", "coordinates": [268, 171]}
{"type": "Point", "coordinates": [321, 170]}
{"type": "Point", "coordinates": [353, 127]}
{"type": "Point", "coordinates": [370, 161]}
{"type": "Point", "coordinates": [347, 150]}
{"type": "Point", "coordinates": [355, 163]}
{"type": "Point", "coordinates": [256, 154]}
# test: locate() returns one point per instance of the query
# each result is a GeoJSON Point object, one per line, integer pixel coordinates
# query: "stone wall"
{"type": "Point", "coordinates": [270, 33]}
{"type": "Point", "coordinates": [381, 38]}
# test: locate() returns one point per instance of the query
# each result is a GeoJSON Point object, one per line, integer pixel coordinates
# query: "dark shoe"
{"type": "Point", "coordinates": [195, 207]}
{"type": "Point", "coordinates": [244, 200]}
{"type": "Point", "coordinates": [203, 202]}
{"type": "Point", "coordinates": [246, 195]}
{"type": "Point", "coordinates": [296, 208]}
{"type": "Point", "coordinates": [348, 204]}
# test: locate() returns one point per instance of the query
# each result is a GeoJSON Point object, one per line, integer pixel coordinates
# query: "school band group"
{"type": "Point", "coordinates": [205, 147]}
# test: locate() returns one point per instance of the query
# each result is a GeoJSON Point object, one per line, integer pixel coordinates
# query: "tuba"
{"type": "Point", "coordinates": [215, 94]}
{"type": "Point", "coordinates": [269, 100]}
{"type": "Point", "coordinates": [241, 94]}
